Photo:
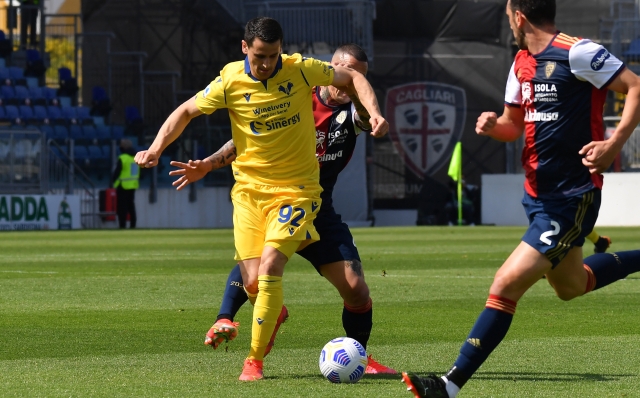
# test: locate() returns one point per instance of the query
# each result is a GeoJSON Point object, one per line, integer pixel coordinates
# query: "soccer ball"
{"type": "Point", "coordinates": [343, 360]}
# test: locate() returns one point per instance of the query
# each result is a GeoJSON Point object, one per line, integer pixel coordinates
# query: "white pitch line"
{"type": "Point", "coordinates": [30, 272]}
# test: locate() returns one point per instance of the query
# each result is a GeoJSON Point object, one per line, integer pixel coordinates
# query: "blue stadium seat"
{"type": "Point", "coordinates": [60, 132]}
{"type": "Point", "coordinates": [75, 132]}
{"type": "Point", "coordinates": [26, 113]}
{"type": "Point", "coordinates": [16, 73]}
{"type": "Point", "coordinates": [3, 115]}
{"type": "Point", "coordinates": [95, 153]}
{"type": "Point", "coordinates": [51, 95]}
{"type": "Point", "coordinates": [60, 154]}
{"type": "Point", "coordinates": [89, 132]}
{"type": "Point", "coordinates": [22, 94]}
{"type": "Point", "coordinates": [31, 81]}
{"type": "Point", "coordinates": [40, 114]}
{"type": "Point", "coordinates": [80, 153]}
{"type": "Point", "coordinates": [8, 95]}
{"type": "Point", "coordinates": [37, 96]}
{"type": "Point", "coordinates": [132, 115]}
{"type": "Point", "coordinates": [103, 133]}
{"type": "Point", "coordinates": [69, 113]}
{"type": "Point", "coordinates": [55, 115]}
{"type": "Point", "coordinates": [117, 132]}
{"type": "Point", "coordinates": [106, 151]}
{"type": "Point", "coordinates": [64, 74]}
{"type": "Point", "coordinates": [47, 130]}
{"type": "Point", "coordinates": [5, 76]}
{"type": "Point", "coordinates": [12, 113]}
{"type": "Point", "coordinates": [83, 115]}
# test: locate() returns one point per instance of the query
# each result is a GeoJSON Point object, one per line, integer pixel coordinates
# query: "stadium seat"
{"type": "Point", "coordinates": [16, 74]}
{"type": "Point", "coordinates": [60, 132]}
{"type": "Point", "coordinates": [26, 114]}
{"type": "Point", "coordinates": [51, 95]}
{"type": "Point", "coordinates": [80, 153]}
{"type": "Point", "coordinates": [5, 76]}
{"type": "Point", "coordinates": [106, 151]}
{"type": "Point", "coordinates": [8, 95]}
{"type": "Point", "coordinates": [69, 114]}
{"type": "Point", "coordinates": [22, 95]}
{"type": "Point", "coordinates": [83, 116]}
{"type": "Point", "coordinates": [3, 115]}
{"type": "Point", "coordinates": [100, 103]}
{"type": "Point", "coordinates": [47, 131]}
{"type": "Point", "coordinates": [117, 132]}
{"type": "Point", "coordinates": [12, 113]}
{"type": "Point", "coordinates": [55, 115]}
{"type": "Point", "coordinates": [32, 81]}
{"type": "Point", "coordinates": [75, 132]}
{"type": "Point", "coordinates": [95, 153]}
{"type": "Point", "coordinates": [103, 133]}
{"type": "Point", "coordinates": [40, 114]}
{"type": "Point", "coordinates": [37, 96]}
{"type": "Point", "coordinates": [60, 153]}
{"type": "Point", "coordinates": [89, 132]}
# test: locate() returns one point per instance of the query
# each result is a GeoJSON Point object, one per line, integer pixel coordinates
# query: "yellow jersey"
{"type": "Point", "coordinates": [272, 120]}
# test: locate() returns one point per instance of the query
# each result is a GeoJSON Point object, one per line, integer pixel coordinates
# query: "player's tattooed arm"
{"type": "Point", "coordinates": [362, 115]}
{"type": "Point", "coordinates": [356, 266]}
{"type": "Point", "coordinates": [223, 157]}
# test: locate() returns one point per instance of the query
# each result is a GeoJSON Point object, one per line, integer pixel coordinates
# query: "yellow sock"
{"type": "Point", "coordinates": [252, 296]}
{"type": "Point", "coordinates": [265, 313]}
{"type": "Point", "coordinates": [593, 236]}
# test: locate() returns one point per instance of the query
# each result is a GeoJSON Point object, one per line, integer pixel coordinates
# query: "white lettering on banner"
{"type": "Point", "coordinates": [426, 95]}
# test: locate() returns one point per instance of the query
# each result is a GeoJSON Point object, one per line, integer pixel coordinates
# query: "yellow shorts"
{"type": "Point", "coordinates": [280, 217]}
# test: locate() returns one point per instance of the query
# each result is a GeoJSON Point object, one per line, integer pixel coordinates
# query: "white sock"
{"type": "Point", "coordinates": [452, 389]}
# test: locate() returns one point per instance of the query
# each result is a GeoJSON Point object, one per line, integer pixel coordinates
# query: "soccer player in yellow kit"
{"type": "Point", "coordinates": [277, 190]}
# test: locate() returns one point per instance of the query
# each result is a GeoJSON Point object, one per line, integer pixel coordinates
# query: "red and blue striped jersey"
{"type": "Point", "coordinates": [336, 134]}
{"type": "Point", "coordinates": [562, 91]}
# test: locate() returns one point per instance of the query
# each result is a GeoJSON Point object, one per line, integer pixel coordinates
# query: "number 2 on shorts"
{"type": "Point", "coordinates": [545, 235]}
{"type": "Point", "coordinates": [287, 211]}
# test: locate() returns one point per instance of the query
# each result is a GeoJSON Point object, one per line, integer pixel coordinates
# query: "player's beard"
{"type": "Point", "coordinates": [521, 41]}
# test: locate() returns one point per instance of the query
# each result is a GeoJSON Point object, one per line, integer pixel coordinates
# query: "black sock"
{"type": "Point", "coordinates": [357, 322]}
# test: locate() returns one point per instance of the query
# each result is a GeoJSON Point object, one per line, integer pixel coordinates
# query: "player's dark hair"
{"type": "Point", "coordinates": [264, 28]}
{"type": "Point", "coordinates": [538, 12]}
{"type": "Point", "coordinates": [354, 50]}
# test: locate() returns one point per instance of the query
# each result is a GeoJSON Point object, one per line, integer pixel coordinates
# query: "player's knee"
{"type": "Point", "coordinates": [356, 295]}
{"type": "Point", "coordinates": [567, 293]}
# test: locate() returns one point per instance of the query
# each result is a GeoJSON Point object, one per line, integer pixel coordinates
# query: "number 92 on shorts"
{"type": "Point", "coordinates": [277, 216]}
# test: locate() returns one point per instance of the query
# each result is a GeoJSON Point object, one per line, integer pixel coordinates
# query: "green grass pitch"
{"type": "Point", "coordinates": [124, 313]}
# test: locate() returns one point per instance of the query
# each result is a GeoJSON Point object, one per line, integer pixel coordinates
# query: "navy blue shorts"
{"type": "Point", "coordinates": [336, 242]}
{"type": "Point", "coordinates": [557, 225]}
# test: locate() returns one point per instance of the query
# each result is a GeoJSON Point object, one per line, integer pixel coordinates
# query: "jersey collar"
{"type": "Point", "coordinates": [247, 70]}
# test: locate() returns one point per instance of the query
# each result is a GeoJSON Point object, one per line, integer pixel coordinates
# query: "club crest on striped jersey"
{"type": "Point", "coordinates": [426, 120]}
{"type": "Point", "coordinates": [549, 68]}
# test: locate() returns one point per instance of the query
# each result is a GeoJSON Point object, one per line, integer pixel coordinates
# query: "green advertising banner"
{"type": "Point", "coordinates": [39, 212]}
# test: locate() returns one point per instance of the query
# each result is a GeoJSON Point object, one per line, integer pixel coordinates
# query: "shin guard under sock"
{"type": "Point", "coordinates": [489, 330]}
{"type": "Point", "coordinates": [265, 314]}
{"type": "Point", "coordinates": [358, 321]}
{"type": "Point", "coordinates": [234, 295]}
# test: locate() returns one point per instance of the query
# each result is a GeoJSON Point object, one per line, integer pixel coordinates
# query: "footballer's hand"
{"type": "Point", "coordinates": [146, 159]}
{"type": "Point", "coordinates": [380, 127]}
{"type": "Point", "coordinates": [598, 155]}
{"type": "Point", "coordinates": [486, 122]}
{"type": "Point", "coordinates": [189, 172]}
